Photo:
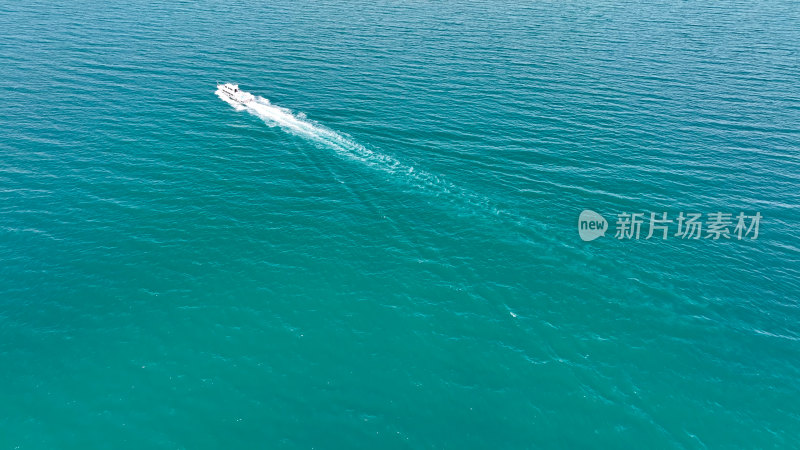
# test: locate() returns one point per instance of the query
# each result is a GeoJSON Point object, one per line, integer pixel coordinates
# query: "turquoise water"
{"type": "Point", "coordinates": [393, 261]}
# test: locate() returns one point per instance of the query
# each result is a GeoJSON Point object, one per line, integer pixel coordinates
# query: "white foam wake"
{"type": "Point", "coordinates": [345, 146]}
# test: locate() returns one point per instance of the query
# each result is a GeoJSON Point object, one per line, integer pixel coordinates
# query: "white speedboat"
{"type": "Point", "coordinates": [233, 92]}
